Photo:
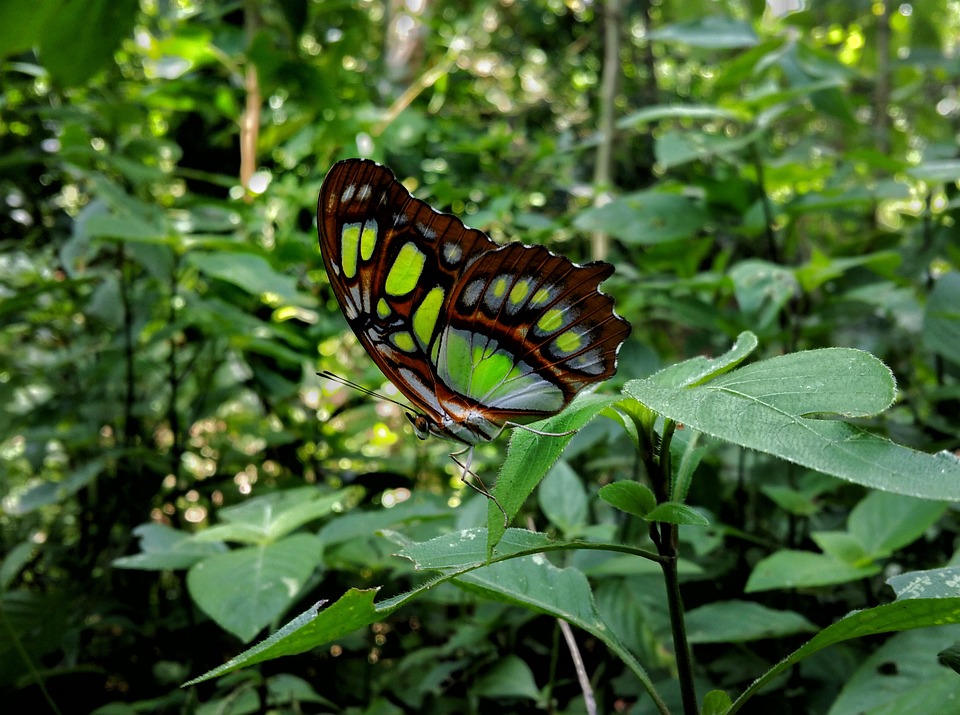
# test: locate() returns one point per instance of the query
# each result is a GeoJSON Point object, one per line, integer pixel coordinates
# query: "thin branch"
{"type": "Point", "coordinates": [423, 82]}
{"type": "Point", "coordinates": [603, 169]}
{"type": "Point", "coordinates": [589, 701]}
{"type": "Point", "coordinates": [250, 119]}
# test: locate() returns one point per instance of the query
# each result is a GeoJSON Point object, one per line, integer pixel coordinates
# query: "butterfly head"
{"type": "Point", "coordinates": [422, 424]}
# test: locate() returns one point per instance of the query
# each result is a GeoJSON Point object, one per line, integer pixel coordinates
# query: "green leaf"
{"type": "Point", "coordinates": [673, 148]}
{"type": "Point", "coordinates": [163, 548]}
{"type": "Point", "coordinates": [510, 677]}
{"type": "Point", "coordinates": [14, 561]}
{"type": "Point", "coordinates": [716, 702]}
{"type": "Point", "coordinates": [902, 677]}
{"type": "Point", "coordinates": [762, 289]}
{"type": "Point", "coordinates": [674, 111]}
{"type": "Point", "coordinates": [645, 217]}
{"type": "Point", "coordinates": [563, 498]}
{"type": "Point", "coordinates": [529, 581]}
{"type": "Point", "coordinates": [941, 318]}
{"type": "Point", "coordinates": [741, 621]}
{"type": "Point", "coordinates": [857, 197]}
{"type": "Point", "coordinates": [674, 513]}
{"type": "Point", "coordinates": [821, 268]}
{"type": "Point", "coordinates": [536, 584]}
{"type": "Point", "coordinates": [772, 406]}
{"type": "Point", "coordinates": [631, 497]}
{"type": "Point", "coordinates": [933, 583]}
{"type": "Point", "coordinates": [271, 517]}
{"type": "Point", "coordinates": [310, 629]}
{"type": "Point", "coordinates": [129, 228]}
{"type": "Point", "coordinates": [803, 569]}
{"type": "Point", "coordinates": [883, 523]}
{"type": "Point", "coordinates": [247, 589]}
{"type": "Point", "coordinates": [843, 546]}
{"type": "Point", "coordinates": [950, 657]}
{"type": "Point", "coordinates": [530, 455]}
{"type": "Point", "coordinates": [250, 272]}
{"type": "Point", "coordinates": [712, 32]}
{"type": "Point", "coordinates": [937, 171]}
{"type": "Point", "coordinates": [700, 369]}
{"type": "Point", "coordinates": [21, 22]}
{"type": "Point", "coordinates": [891, 617]}
{"type": "Point", "coordinates": [43, 493]}
{"type": "Point", "coordinates": [802, 500]}
{"type": "Point", "coordinates": [80, 38]}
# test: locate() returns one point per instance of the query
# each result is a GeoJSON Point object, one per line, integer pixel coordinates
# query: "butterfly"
{"type": "Point", "coordinates": [477, 336]}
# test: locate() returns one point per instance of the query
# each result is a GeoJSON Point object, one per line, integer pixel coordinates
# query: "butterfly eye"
{"type": "Point", "coordinates": [421, 424]}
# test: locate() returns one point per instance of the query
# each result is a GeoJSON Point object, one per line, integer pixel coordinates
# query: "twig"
{"type": "Point", "coordinates": [250, 119]}
{"type": "Point", "coordinates": [603, 169]}
{"type": "Point", "coordinates": [589, 701]}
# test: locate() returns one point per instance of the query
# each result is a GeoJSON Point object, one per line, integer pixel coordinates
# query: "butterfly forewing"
{"type": "Point", "coordinates": [473, 334]}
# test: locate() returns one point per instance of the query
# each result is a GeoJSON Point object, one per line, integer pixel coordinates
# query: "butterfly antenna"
{"type": "Point", "coordinates": [477, 486]}
{"type": "Point", "coordinates": [360, 388]}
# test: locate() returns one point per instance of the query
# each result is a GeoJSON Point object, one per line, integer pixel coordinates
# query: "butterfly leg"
{"type": "Point", "coordinates": [514, 425]}
{"type": "Point", "coordinates": [476, 483]}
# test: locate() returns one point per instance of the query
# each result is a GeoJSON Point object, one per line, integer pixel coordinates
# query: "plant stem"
{"type": "Point", "coordinates": [669, 547]}
{"type": "Point", "coordinates": [677, 625]}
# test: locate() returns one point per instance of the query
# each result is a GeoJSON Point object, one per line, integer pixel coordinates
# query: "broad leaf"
{"type": "Point", "coordinates": [163, 548]}
{"type": "Point", "coordinates": [673, 513]}
{"type": "Point", "coordinates": [741, 621]}
{"type": "Point", "coordinates": [269, 518]}
{"type": "Point", "coordinates": [310, 629]}
{"type": "Point", "coordinates": [250, 272]}
{"type": "Point", "coordinates": [937, 171]}
{"type": "Point", "coordinates": [803, 569]}
{"type": "Point", "coordinates": [711, 32]}
{"type": "Point", "coordinates": [699, 369]}
{"type": "Point", "coordinates": [674, 148]}
{"type": "Point", "coordinates": [71, 51]}
{"type": "Point", "coordinates": [247, 589]}
{"type": "Point", "coordinates": [941, 319]}
{"type": "Point", "coordinates": [902, 677]}
{"type": "Point", "coordinates": [631, 497]}
{"type": "Point", "coordinates": [889, 618]}
{"type": "Point", "coordinates": [530, 455]}
{"type": "Point", "coordinates": [762, 289]}
{"type": "Point", "coordinates": [530, 581]}
{"type": "Point", "coordinates": [773, 406]}
{"type": "Point", "coordinates": [645, 217]}
{"type": "Point", "coordinates": [933, 583]}
{"type": "Point", "coordinates": [563, 498]}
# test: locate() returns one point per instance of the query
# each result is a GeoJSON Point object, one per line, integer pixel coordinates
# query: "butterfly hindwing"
{"type": "Point", "coordinates": [473, 334]}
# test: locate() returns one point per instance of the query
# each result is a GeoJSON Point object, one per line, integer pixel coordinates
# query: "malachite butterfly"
{"type": "Point", "coordinates": [476, 335]}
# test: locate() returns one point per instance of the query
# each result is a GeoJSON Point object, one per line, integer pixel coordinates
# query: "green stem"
{"type": "Point", "coordinates": [677, 624]}
{"type": "Point", "coordinates": [669, 547]}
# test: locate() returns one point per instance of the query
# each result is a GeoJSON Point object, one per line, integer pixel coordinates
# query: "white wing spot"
{"type": "Point", "coordinates": [428, 233]}
{"type": "Point", "coordinates": [364, 192]}
{"type": "Point", "coordinates": [472, 293]}
{"type": "Point", "coordinates": [452, 253]}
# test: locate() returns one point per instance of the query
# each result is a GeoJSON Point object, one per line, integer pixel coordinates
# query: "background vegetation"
{"type": "Point", "coordinates": [788, 170]}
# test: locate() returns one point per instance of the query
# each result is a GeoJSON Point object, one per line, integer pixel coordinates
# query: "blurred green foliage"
{"type": "Point", "coordinates": [795, 175]}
